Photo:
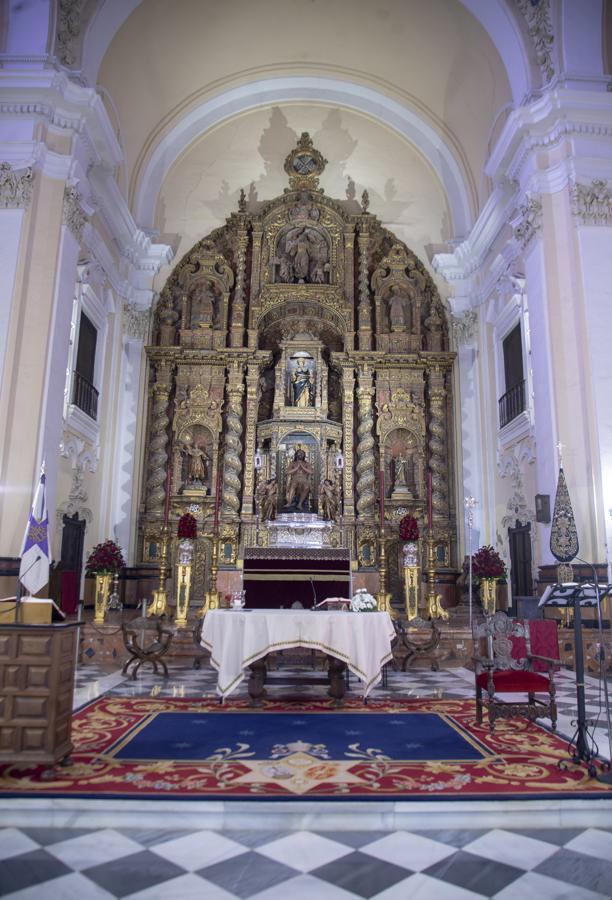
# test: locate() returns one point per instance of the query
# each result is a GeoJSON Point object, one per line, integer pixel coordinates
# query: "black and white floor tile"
{"type": "Point", "coordinates": [41, 863]}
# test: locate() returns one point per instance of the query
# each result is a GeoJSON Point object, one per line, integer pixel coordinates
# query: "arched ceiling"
{"type": "Point", "coordinates": [433, 60]}
{"type": "Point", "coordinates": [203, 186]}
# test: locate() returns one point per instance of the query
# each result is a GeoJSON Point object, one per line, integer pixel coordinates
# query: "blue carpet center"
{"type": "Point", "coordinates": [267, 735]}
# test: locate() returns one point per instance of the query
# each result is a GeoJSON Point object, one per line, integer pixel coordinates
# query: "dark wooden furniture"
{"type": "Point", "coordinates": [37, 664]}
{"type": "Point", "coordinates": [508, 665]}
{"type": "Point", "coordinates": [147, 641]}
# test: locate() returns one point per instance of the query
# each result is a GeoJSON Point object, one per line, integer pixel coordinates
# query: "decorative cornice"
{"type": "Point", "coordinates": [592, 204]}
{"type": "Point", "coordinates": [464, 326]}
{"type": "Point", "coordinates": [136, 322]}
{"type": "Point", "coordinates": [537, 16]}
{"type": "Point", "coordinates": [529, 221]}
{"type": "Point", "coordinates": [73, 215]}
{"type": "Point", "coordinates": [15, 186]}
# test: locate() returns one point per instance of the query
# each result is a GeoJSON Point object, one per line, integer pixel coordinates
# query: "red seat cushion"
{"type": "Point", "coordinates": [511, 680]}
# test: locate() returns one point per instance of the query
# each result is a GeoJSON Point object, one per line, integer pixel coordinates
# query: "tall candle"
{"type": "Point", "coordinates": [382, 498]}
{"type": "Point", "coordinates": [168, 488]}
{"type": "Point", "coordinates": [429, 500]}
{"type": "Point", "coordinates": [217, 495]}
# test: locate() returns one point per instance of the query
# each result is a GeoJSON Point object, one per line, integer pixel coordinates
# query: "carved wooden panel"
{"type": "Point", "coordinates": [36, 686]}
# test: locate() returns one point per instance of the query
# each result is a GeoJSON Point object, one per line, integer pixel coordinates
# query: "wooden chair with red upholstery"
{"type": "Point", "coordinates": [509, 665]}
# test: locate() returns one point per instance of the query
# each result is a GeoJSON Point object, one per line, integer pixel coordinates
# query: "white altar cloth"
{"type": "Point", "coordinates": [236, 638]}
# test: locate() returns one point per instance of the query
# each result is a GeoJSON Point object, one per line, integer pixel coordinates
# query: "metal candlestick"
{"type": "Point", "coordinates": [211, 597]}
{"type": "Point", "coordinates": [384, 598]}
{"type": "Point", "coordinates": [470, 503]}
{"type": "Point", "coordinates": [159, 604]}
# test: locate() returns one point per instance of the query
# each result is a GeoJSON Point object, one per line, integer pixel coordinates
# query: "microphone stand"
{"type": "Point", "coordinates": [607, 778]}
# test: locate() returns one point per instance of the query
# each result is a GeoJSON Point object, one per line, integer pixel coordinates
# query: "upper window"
{"type": "Point", "coordinates": [512, 403]}
{"type": "Point", "coordinates": [84, 394]}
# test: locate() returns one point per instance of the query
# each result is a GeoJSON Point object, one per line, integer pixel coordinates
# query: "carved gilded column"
{"type": "Point", "coordinates": [348, 407]}
{"type": "Point", "coordinates": [349, 277]}
{"type": "Point", "coordinates": [232, 465]}
{"type": "Point", "coordinates": [436, 441]}
{"type": "Point", "coordinates": [252, 381]}
{"type": "Point", "coordinates": [239, 306]}
{"type": "Point", "coordinates": [158, 441]}
{"type": "Point", "coordinates": [366, 476]}
{"type": "Point", "coordinates": [365, 313]}
{"type": "Point", "coordinates": [256, 239]}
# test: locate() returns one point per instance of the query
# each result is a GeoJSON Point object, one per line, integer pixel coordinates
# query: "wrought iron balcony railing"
{"type": "Point", "coordinates": [512, 404]}
{"type": "Point", "coordinates": [85, 396]}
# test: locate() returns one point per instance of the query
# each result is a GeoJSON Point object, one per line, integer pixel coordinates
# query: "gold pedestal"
{"type": "Point", "coordinates": [488, 594]}
{"type": "Point", "coordinates": [411, 591]}
{"type": "Point", "coordinates": [102, 591]}
{"type": "Point", "coordinates": [435, 610]}
{"type": "Point", "coordinates": [211, 597]}
{"type": "Point", "coordinates": [183, 582]}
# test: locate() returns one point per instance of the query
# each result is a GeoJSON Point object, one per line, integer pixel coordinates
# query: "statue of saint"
{"type": "Point", "coordinates": [197, 466]}
{"type": "Point", "coordinates": [397, 309]}
{"type": "Point", "coordinates": [302, 387]}
{"type": "Point", "coordinates": [269, 496]}
{"type": "Point", "coordinates": [328, 500]}
{"type": "Point", "coordinates": [299, 479]}
{"type": "Point", "coordinates": [400, 474]}
{"type": "Point", "coordinates": [202, 308]}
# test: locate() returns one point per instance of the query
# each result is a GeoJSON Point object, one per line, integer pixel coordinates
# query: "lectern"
{"type": "Point", "coordinates": [576, 596]}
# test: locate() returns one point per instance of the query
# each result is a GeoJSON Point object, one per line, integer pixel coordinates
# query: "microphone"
{"type": "Point", "coordinates": [314, 594]}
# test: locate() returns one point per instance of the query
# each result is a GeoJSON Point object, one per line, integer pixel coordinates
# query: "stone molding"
{"type": "Point", "coordinates": [464, 326]}
{"type": "Point", "coordinates": [136, 322]}
{"type": "Point", "coordinates": [512, 465]}
{"type": "Point", "coordinates": [529, 221]}
{"type": "Point", "coordinates": [592, 204]}
{"type": "Point", "coordinates": [539, 25]}
{"type": "Point", "coordinates": [15, 186]}
{"type": "Point", "coordinates": [73, 214]}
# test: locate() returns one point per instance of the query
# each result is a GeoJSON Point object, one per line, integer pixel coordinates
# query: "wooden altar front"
{"type": "Point", "coordinates": [277, 577]}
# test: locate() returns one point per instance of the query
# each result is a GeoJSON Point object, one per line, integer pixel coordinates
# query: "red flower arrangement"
{"type": "Point", "coordinates": [187, 527]}
{"type": "Point", "coordinates": [487, 563]}
{"type": "Point", "coordinates": [409, 529]}
{"type": "Point", "coordinates": [104, 559]}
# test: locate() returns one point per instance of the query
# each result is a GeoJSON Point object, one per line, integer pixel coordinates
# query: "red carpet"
{"type": "Point", "coordinates": [519, 760]}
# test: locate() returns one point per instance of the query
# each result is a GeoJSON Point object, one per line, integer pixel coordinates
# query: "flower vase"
{"type": "Point", "coordinates": [103, 582]}
{"type": "Point", "coordinates": [488, 594]}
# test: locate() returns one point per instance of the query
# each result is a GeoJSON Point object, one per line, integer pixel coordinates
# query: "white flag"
{"type": "Point", "coordinates": [34, 569]}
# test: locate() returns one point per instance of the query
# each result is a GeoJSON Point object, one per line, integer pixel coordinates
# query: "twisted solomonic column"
{"type": "Point", "coordinates": [365, 469]}
{"type": "Point", "coordinates": [158, 444]}
{"type": "Point", "coordinates": [232, 466]}
{"type": "Point", "coordinates": [437, 451]}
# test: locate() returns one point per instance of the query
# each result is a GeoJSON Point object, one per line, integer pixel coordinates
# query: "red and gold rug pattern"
{"type": "Point", "coordinates": [520, 759]}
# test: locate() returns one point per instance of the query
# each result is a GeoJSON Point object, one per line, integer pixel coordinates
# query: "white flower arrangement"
{"type": "Point", "coordinates": [363, 601]}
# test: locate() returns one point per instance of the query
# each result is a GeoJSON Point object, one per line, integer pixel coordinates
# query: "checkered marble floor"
{"type": "Point", "coordinates": [41, 863]}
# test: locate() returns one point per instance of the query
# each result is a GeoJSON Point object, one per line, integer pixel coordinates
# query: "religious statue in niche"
{"type": "Point", "coordinates": [268, 500]}
{"type": "Point", "coordinates": [302, 382]}
{"type": "Point", "coordinates": [403, 470]}
{"type": "Point", "coordinates": [329, 504]}
{"type": "Point", "coordinates": [196, 459]}
{"type": "Point", "coordinates": [303, 256]}
{"type": "Point", "coordinates": [399, 309]}
{"type": "Point", "coordinates": [202, 307]}
{"type": "Point", "coordinates": [299, 481]}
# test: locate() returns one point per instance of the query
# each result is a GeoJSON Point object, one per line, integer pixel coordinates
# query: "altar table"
{"type": "Point", "coordinates": [237, 639]}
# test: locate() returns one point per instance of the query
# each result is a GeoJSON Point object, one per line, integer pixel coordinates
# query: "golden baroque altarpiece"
{"type": "Point", "coordinates": [300, 366]}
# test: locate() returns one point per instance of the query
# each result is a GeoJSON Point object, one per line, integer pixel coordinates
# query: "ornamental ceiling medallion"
{"type": "Point", "coordinates": [304, 165]}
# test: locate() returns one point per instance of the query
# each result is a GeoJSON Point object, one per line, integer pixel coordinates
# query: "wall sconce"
{"type": "Point", "coordinates": [542, 508]}
{"type": "Point", "coordinates": [339, 460]}
{"type": "Point", "coordinates": [258, 460]}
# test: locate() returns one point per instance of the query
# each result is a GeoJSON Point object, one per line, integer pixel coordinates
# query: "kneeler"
{"type": "Point", "coordinates": [518, 653]}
